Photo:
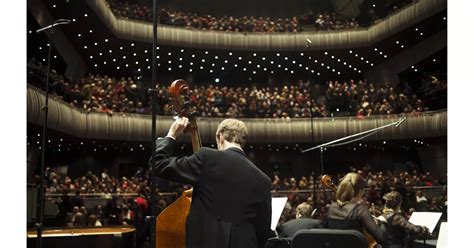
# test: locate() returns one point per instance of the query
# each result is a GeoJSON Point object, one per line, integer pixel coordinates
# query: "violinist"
{"type": "Point", "coordinates": [231, 202]}
{"type": "Point", "coordinates": [347, 214]}
{"type": "Point", "coordinates": [398, 228]}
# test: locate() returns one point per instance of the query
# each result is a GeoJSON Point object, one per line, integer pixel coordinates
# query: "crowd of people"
{"type": "Point", "coordinates": [319, 21]}
{"type": "Point", "coordinates": [299, 99]}
{"type": "Point", "coordinates": [128, 197]}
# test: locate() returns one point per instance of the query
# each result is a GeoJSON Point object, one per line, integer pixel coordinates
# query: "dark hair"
{"type": "Point", "coordinates": [349, 187]}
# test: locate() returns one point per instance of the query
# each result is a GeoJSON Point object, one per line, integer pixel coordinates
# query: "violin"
{"type": "Point", "coordinates": [171, 223]}
{"type": "Point", "coordinates": [327, 182]}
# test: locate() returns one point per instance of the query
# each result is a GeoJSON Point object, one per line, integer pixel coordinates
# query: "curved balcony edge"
{"type": "Point", "coordinates": [135, 30]}
{"type": "Point", "coordinates": [133, 127]}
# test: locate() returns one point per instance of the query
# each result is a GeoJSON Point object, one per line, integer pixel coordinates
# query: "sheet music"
{"type": "Point", "coordinates": [443, 236]}
{"type": "Point", "coordinates": [278, 204]}
{"type": "Point", "coordinates": [428, 219]}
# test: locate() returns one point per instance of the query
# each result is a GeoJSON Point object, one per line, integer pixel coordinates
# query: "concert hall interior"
{"type": "Point", "coordinates": [251, 123]}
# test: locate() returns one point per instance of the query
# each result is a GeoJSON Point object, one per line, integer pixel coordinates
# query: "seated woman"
{"type": "Point", "coordinates": [347, 214]}
{"type": "Point", "coordinates": [398, 227]}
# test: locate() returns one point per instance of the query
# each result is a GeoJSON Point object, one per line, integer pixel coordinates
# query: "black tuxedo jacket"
{"type": "Point", "coordinates": [289, 228]}
{"type": "Point", "coordinates": [231, 205]}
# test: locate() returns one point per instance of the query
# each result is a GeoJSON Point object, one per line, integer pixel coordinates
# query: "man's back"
{"type": "Point", "coordinates": [231, 204]}
{"type": "Point", "coordinates": [289, 228]}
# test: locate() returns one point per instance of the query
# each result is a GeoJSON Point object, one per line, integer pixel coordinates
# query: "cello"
{"type": "Point", "coordinates": [327, 182]}
{"type": "Point", "coordinates": [171, 222]}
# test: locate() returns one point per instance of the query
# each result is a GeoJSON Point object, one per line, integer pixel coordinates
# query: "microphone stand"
{"type": "Point", "coordinates": [40, 207]}
{"type": "Point", "coordinates": [153, 91]}
{"type": "Point", "coordinates": [354, 137]}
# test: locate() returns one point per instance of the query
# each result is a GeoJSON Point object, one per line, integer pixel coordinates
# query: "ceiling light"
{"type": "Point", "coordinates": [106, 40]}
{"type": "Point", "coordinates": [100, 54]}
{"type": "Point", "coordinates": [254, 54]}
{"type": "Point", "coordinates": [225, 61]}
{"type": "Point", "coordinates": [146, 51]}
{"type": "Point", "coordinates": [401, 46]}
{"type": "Point", "coordinates": [216, 57]}
{"type": "Point", "coordinates": [240, 58]}
{"type": "Point", "coordinates": [193, 56]}
{"type": "Point", "coordinates": [235, 65]}
{"type": "Point", "coordinates": [206, 52]}
{"type": "Point", "coordinates": [118, 67]}
{"type": "Point", "coordinates": [169, 68]}
{"type": "Point", "coordinates": [85, 15]}
{"type": "Point", "coordinates": [278, 54]}
{"type": "Point", "coordinates": [230, 53]}
{"type": "Point", "coordinates": [78, 35]}
{"type": "Point", "coordinates": [132, 44]}
{"type": "Point", "coordinates": [90, 31]}
{"type": "Point", "coordinates": [134, 54]}
{"type": "Point", "coordinates": [95, 44]}
{"type": "Point", "coordinates": [95, 65]}
{"type": "Point", "coordinates": [263, 58]}
{"type": "Point", "coordinates": [85, 47]}
{"type": "Point", "coordinates": [110, 51]}
{"type": "Point", "coordinates": [325, 53]}
{"type": "Point", "coordinates": [169, 54]}
{"type": "Point", "coordinates": [182, 50]}
{"type": "Point", "coordinates": [190, 70]}
{"type": "Point", "coordinates": [385, 56]}
{"type": "Point", "coordinates": [350, 51]}
{"type": "Point", "coordinates": [91, 57]}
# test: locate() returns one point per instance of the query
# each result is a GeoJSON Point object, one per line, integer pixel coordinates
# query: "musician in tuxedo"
{"type": "Point", "coordinates": [398, 228]}
{"type": "Point", "coordinates": [231, 201]}
{"type": "Point", "coordinates": [347, 214]}
{"type": "Point", "coordinates": [303, 221]}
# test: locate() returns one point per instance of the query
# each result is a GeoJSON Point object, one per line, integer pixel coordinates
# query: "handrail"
{"type": "Point", "coordinates": [135, 127]}
{"type": "Point", "coordinates": [138, 31]}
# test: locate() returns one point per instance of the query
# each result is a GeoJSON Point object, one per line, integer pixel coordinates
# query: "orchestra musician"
{"type": "Point", "coordinates": [303, 221]}
{"type": "Point", "coordinates": [347, 214]}
{"type": "Point", "coordinates": [398, 227]}
{"type": "Point", "coordinates": [231, 201]}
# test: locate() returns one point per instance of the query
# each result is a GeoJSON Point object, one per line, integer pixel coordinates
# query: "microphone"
{"type": "Point", "coordinates": [401, 121]}
{"type": "Point", "coordinates": [56, 23]}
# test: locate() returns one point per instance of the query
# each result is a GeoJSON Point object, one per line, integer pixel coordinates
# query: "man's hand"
{"type": "Point", "coordinates": [178, 127]}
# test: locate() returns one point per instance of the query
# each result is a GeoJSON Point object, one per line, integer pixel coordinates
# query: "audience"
{"type": "Point", "coordinates": [129, 209]}
{"type": "Point", "coordinates": [309, 21]}
{"type": "Point", "coordinates": [299, 99]}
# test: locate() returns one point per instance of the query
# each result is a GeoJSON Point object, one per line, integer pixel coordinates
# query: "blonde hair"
{"type": "Point", "coordinates": [351, 185]}
{"type": "Point", "coordinates": [233, 131]}
{"type": "Point", "coordinates": [304, 209]}
{"type": "Point", "coordinates": [392, 199]}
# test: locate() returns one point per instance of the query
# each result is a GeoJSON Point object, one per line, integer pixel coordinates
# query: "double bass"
{"type": "Point", "coordinates": [171, 223]}
{"type": "Point", "coordinates": [327, 182]}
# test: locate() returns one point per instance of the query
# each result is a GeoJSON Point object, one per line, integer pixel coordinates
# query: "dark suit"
{"type": "Point", "coordinates": [231, 204]}
{"type": "Point", "coordinates": [289, 228]}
